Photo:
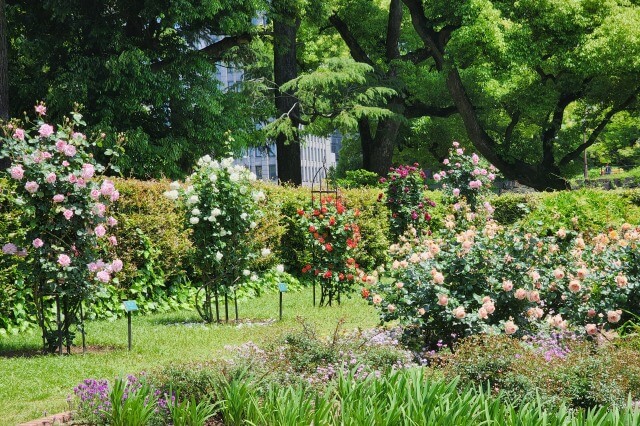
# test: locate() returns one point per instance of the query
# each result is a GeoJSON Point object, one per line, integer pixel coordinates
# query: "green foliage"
{"type": "Point", "coordinates": [190, 413]}
{"type": "Point", "coordinates": [135, 68]}
{"type": "Point", "coordinates": [358, 178]}
{"type": "Point", "coordinates": [510, 208]}
{"type": "Point", "coordinates": [130, 407]}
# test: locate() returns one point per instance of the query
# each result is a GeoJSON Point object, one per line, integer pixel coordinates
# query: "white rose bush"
{"type": "Point", "coordinates": [65, 209]}
{"type": "Point", "coordinates": [221, 208]}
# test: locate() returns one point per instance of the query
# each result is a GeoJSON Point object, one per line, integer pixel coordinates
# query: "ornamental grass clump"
{"type": "Point", "coordinates": [405, 186]}
{"type": "Point", "coordinates": [221, 209]}
{"type": "Point", "coordinates": [333, 236]}
{"type": "Point", "coordinates": [65, 209]}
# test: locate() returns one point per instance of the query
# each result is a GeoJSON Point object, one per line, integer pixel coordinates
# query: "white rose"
{"type": "Point", "coordinates": [195, 212]}
{"type": "Point", "coordinates": [174, 185]}
{"type": "Point", "coordinates": [253, 225]}
{"type": "Point", "coordinates": [216, 212]}
{"type": "Point", "coordinates": [280, 268]}
{"type": "Point", "coordinates": [218, 256]}
{"type": "Point", "coordinates": [234, 177]}
{"type": "Point", "coordinates": [172, 195]}
{"type": "Point", "coordinates": [194, 220]}
{"type": "Point", "coordinates": [246, 272]}
{"type": "Point", "coordinates": [193, 199]}
{"type": "Point", "coordinates": [258, 196]}
{"type": "Point", "coordinates": [223, 232]}
{"type": "Point", "coordinates": [244, 216]}
{"type": "Point", "coordinates": [265, 252]}
{"type": "Point", "coordinates": [254, 277]}
{"type": "Point", "coordinates": [213, 177]}
{"type": "Point", "coordinates": [227, 162]}
{"type": "Point", "coordinates": [252, 176]}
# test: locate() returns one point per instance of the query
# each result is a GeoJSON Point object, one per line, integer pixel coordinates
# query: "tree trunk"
{"type": "Point", "coordinates": [285, 28]}
{"type": "Point", "coordinates": [4, 76]}
{"type": "Point", "coordinates": [377, 151]}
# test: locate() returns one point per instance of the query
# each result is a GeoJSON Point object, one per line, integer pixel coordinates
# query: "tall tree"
{"type": "Point", "coordinates": [552, 58]}
{"type": "Point", "coordinates": [286, 16]}
{"type": "Point", "coordinates": [4, 75]}
{"type": "Point", "coordinates": [145, 70]}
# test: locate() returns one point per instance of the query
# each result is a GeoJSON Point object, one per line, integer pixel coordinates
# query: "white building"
{"type": "Point", "coordinates": [315, 151]}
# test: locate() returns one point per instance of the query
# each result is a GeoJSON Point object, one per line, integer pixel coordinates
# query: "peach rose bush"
{"type": "Point", "coordinates": [221, 208]}
{"type": "Point", "coordinates": [65, 205]}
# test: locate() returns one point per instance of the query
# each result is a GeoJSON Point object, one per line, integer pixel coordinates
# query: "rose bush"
{"type": "Point", "coordinates": [333, 236]}
{"type": "Point", "coordinates": [221, 208]}
{"type": "Point", "coordinates": [65, 215]}
{"type": "Point", "coordinates": [405, 199]}
{"type": "Point", "coordinates": [482, 277]}
{"type": "Point", "coordinates": [466, 179]}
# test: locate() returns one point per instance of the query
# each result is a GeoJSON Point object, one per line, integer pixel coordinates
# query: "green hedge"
{"type": "Point", "coordinates": [155, 248]}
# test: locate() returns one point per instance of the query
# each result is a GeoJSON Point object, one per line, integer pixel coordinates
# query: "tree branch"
{"type": "Point", "coordinates": [555, 124]}
{"type": "Point", "coordinates": [425, 30]}
{"type": "Point", "coordinates": [420, 109]}
{"type": "Point", "coordinates": [357, 52]}
{"type": "Point", "coordinates": [599, 128]}
{"type": "Point", "coordinates": [417, 55]}
{"type": "Point", "coordinates": [393, 30]}
{"type": "Point", "coordinates": [508, 134]}
{"type": "Point", "coordinates": [214, 51]}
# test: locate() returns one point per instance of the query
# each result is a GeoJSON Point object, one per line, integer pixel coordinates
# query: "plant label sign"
{"type": "Point", "coordinates": [130, 305]}
{"type": "Point", "coordinates": [282, 287]}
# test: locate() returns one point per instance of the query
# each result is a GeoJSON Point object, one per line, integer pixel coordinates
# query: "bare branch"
{"type": "Point", "coordinates": [214, 51]}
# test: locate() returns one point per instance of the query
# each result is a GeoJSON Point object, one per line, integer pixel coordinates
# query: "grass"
{"type": "Point", "coordinates": [32, 385]}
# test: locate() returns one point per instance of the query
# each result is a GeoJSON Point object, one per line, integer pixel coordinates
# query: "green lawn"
{"type": "Point", "coordinates": [32, 385]}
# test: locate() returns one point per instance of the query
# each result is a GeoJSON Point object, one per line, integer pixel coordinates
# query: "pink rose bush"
{"type": "Point", "coordinates": [408, 207]}
{"type": "Point", "coordinates": [64, 234]}
{"type": "Point", "coordinates": [466, 179]}
{"type": "Point", "coordinates": [222, 208]}
{"type": "Point", "coordinates": [478, 277]}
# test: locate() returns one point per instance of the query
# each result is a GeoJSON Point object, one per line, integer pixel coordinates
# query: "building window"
{"type": "Point", "coordinates": [259, 172]}
{"type": "Point", "coordinates": [273, 174]}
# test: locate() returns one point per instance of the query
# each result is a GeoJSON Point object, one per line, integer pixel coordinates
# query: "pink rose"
{"type": "Point", "coordinates": [591, 329]}
{"type": "Point", "coordinates": [100, 231]}
{"type": "Point", "coordinates": [87, 171]}
{"type": "Point", "coordinates": [9, 248]}
{"type": "Point", "coordinates": [574, 286]}
{"type": "Point", "coordinates": [65, 163]}
{"type": "Point", "coordinates": [31, 187]}
{"type": "Point", "coordinates": [456, 192]}
{"type": "Point", "coordinates": [507, 285]}
{"type": "Point", "coordinates": [113, 240]}
{"type": "Point", "coordinates": [489, 307]}
{"type": "Point", "coordinates": [482, 313]}
{"type": "Point", "coordinates": [103, 276]}
{"type": "Point", "coordinates": [64, 260]}
{"type": "Point", "coordinates": [107, 188]}
{"type": "Point", "coordinates": [78, 135]}
{"type": "Point", "coordinates": [116, 265]}
{"type": "Point", "coordinates": [582, 273]}
{"type": "Point", "coordinates": [37, 243]}
{"type": "Point", "coordinates": [558, 273]}
{"type": "Point", "coordinates": [17, 172]}
{"type": "Point", "coordinates": [438, 278]}
{"type": "Point", "coordinates": [99, 209]}
{"type": "Point", "coordinates": [58, 198]}
{"type": "Point", "coordinates": [459, 312]}
{"type": "Point", "coordinates": [474, 158]}
{"type": "Point", "coordinates": [19, 134]}
{"type": "Point", "coordinates": [534, 296]}
{"type": "Point", "coordinates": [60, 145]}
{"type": "Point", "coordinates": [376, 299]}
{"type": "Point", "coordinates": [111, 221]}
{"type": "Point", "coordinates": [591, 313]}
{"type": "Point", "coordinates": [621, 280]}
{"type": "Point", "coordinates": [46, 155]}
{"type": "Point", "coordinates": [445, 161]}
{"type": "Point", "coordinates": [41, 109]}
{"type": "Point", "coordinates": [614, 316]}
{"type": "Point", "coordinates": [455, 144]}
{"type": "Point", "coordinates": [45, 130]}
{"type": "Point", "coordinates": [510, 327]}
{"type": "Point", "coordinates": [68, 214]}
{"type": "Point", "coordinates": [80, 183]}
{"type": "Point", "coordinates": [391, 308]}
{"type": "Point", "coordinates": [114, 196]}
{"type": "Point", "coordinates": [51, 178]}
{"type": "Point", "coordinates": [437, 177]}
{"type": "Point", "coordinates": [421, 311]}
{"type": "Point", "coordinates": [520, 294]}
{"type": "Point", "coordinates": [69, 150]}
{"type": "Point", "coordinates": [491, 176]}
{"type": "Point", "coordinates": [72, 178]}
{"type": "Point", "coordinates": [443, 300]}
{"type": "Point", "coordinates": [95, 194]}
{"type": "Point", "coordinates": [459, 151]}
{"type": "Point", "coordinates": [399, 284]}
